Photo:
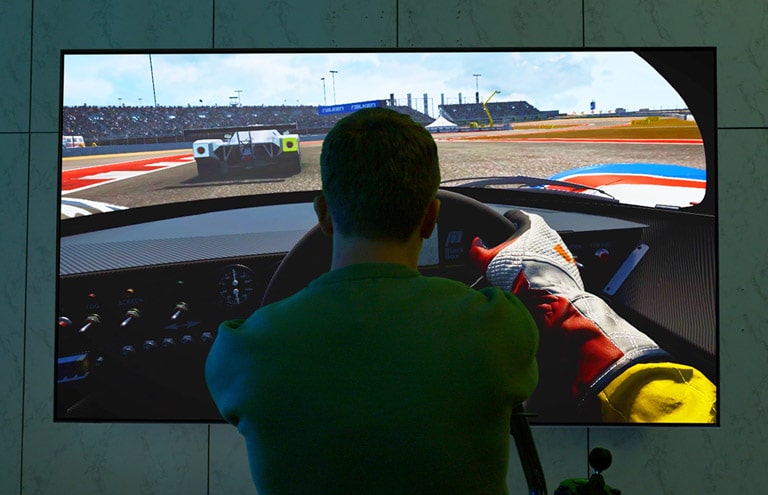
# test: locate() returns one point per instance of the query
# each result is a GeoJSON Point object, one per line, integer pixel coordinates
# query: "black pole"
{"type": "Point", "coordinates": [152, 75]}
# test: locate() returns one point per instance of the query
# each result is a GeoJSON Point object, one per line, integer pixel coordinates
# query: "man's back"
{"type": "Point", "coordinates": [377, 380]}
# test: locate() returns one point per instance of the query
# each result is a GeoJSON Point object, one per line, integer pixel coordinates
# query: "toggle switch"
{"type": "Point", "coordinates": [179, 311]}
{"type": "Point", "coordinates": [131, 315]}
{"type": "Point", "coordinates": [90, 322]}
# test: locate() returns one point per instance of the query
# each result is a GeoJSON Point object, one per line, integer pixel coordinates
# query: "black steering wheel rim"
{"type": "Point", "coordinates": [461, 219]}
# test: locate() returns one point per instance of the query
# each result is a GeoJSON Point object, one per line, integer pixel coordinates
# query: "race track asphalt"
{"type": "Point", "coordinates": [459, 157]}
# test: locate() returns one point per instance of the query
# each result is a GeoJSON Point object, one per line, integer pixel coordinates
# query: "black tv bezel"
{"type": "Point", "coordinates": [690, 70]}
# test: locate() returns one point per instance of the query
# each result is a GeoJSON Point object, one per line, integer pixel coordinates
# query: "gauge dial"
{"type": "Point", "coordinates": [236, 285]}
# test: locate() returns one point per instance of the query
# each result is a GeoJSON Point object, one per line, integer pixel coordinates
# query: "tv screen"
{"type": "Point", "coordinates": [187, 180]}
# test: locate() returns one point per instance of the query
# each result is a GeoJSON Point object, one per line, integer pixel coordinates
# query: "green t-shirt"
{"type": "Point", "coordinates": [377, 380]}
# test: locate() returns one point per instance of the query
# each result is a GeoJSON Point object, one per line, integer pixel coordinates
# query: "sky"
{"type": "Point", "coordinates": [564, 81]}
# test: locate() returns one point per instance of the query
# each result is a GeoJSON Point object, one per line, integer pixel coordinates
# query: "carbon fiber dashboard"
{"type": "Point", "coordinates": [139, 305]}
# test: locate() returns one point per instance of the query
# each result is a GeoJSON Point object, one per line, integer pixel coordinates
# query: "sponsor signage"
{"type": "Point", "coordinates": [348, 107]}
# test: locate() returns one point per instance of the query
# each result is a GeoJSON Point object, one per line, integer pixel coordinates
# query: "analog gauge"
{"type": "Point", "coordinates": [236, 285]}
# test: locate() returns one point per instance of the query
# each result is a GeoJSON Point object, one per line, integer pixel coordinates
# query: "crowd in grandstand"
{"type": "Point", "coordinates": [103, 124]}
{"type": "Point", "coordinates": [505, 111]}
{"type": "Point", "coordinates": [97, 124]}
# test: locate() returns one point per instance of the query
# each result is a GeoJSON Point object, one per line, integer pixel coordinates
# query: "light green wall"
{"type": "Point", "coordinates": [40, 457]}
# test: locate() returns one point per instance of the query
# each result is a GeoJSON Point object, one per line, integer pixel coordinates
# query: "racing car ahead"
{"type": "Point", "coordinates": [266, 148]}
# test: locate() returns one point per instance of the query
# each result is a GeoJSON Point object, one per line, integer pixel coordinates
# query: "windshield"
{"type": "Point", "coordinates": [160, 128]}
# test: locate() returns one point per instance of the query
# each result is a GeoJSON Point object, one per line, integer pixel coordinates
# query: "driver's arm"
{"type": "Point", "coordinates": [223, 371]}
{"type": "Point", "coordinates": [586, 349]}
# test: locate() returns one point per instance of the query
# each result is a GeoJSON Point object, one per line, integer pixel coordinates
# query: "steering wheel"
{"type": "Point", "coordinates": [461, 219]}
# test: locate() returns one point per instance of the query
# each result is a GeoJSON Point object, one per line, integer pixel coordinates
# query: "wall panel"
{"type": "Point", "coordinates": [526, 23]}
{"type": "Point", "coordinates": [13, 232]}
{"type": "Point", "coordinates": [39, 457]}
{"type": "Point", "coordinates": [318, 24]}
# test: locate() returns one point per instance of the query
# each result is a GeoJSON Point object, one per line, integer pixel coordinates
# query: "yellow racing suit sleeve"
{"type": "Point", "coordinates": [659, 393]}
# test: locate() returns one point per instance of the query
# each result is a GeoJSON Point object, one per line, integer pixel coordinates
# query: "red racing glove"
{"type": "Point", "coordinates": [583, 344]}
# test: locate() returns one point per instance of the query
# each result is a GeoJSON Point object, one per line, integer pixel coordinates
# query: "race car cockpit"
{"type": "Point", "coordinates": [153, 256]}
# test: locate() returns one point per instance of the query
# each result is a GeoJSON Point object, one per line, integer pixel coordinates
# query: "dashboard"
{"type": "Point", "coordinates": [140, 302]}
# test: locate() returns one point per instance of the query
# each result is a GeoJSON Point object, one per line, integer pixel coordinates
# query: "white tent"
{"type": "Point", "coordinates": [441, 124]}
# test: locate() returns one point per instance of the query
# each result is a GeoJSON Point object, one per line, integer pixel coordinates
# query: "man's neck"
{"type": "Point", "coordinates": [352, 250]}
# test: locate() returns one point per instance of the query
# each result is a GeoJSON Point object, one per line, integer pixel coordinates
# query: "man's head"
{"type": "Point", "coordinates": [380, 171]}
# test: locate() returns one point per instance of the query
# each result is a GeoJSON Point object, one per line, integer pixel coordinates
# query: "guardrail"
{"type": "Point", "coordinates": [124, 148]}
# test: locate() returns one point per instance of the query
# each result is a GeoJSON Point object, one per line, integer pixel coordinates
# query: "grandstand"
{"type": "Point", "coordinates": [112, 125]}
{"type": "Point", "coordinates": [503, 112]}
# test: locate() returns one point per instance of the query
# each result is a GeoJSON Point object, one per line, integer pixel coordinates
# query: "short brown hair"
{"type": "Point", "coordinates": [379, 171]}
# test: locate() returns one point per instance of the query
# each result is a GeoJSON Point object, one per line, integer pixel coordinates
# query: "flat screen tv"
{"type": "Point", "coordinates": [187, 179]}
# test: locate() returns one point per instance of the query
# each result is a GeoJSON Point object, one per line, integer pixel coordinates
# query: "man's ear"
{"type": "Point", "coordinates": [430, 218]}
{"type": "Point", "coordinates": [323, 215]}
